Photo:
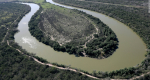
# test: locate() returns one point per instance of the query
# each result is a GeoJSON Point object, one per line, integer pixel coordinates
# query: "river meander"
{"type": "Point", "coordinates": [131, 49]}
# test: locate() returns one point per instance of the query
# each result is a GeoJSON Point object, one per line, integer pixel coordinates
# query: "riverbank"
{"type": "Point", "coordinates": [51, 65]}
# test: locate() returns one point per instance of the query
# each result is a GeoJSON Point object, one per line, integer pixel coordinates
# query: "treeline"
{"type": "Point", "coordinates": [105, 40]}
{"type": "Point", "coordinates": [34, 22]}
{"type": "Point", "coordinates": [124, 2]}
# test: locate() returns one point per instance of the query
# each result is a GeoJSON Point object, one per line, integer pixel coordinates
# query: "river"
{"type": "Point", "coordinates": [131, 49]}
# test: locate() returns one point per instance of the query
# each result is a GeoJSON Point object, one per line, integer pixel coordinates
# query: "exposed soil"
{"type": "Point", "coordinates": [66, 27]}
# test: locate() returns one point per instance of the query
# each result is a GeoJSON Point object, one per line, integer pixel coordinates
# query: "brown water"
{"type": "Point", "coordinates": [131, 49]}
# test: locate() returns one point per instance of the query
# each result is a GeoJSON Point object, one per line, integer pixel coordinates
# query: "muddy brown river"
{"type": "Point", "coordinates": [131, 49]}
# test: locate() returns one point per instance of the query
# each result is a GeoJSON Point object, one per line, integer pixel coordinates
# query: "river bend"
{"type": "Point", "coordinates": [131, 49]}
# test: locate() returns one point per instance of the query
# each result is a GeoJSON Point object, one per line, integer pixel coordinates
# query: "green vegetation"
{"type": "Point", "coordinates": [145, 77]}
{"type": "Point", "coordinates": [131, 3]}
{"type": "Point", "coordinates": [20, 0]}
{"type": "Point", "coordinates": [9, 18]}
{"type": "Point", "coordinates": [6, 0]}
{"type": "Point", "coordinates": [72, 31]}
{"type": "Point", "coordinates": [3, 31]}
{"type": "Point", "coordinates": [16, 66]}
